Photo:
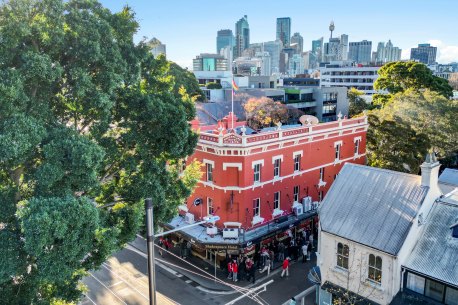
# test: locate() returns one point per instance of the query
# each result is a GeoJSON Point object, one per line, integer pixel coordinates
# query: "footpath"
{"type": "Point", "coordinates": [201, 274]}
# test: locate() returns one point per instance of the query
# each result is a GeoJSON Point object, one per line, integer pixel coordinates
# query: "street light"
{"type": "Point", "coordinates": [150, 244]}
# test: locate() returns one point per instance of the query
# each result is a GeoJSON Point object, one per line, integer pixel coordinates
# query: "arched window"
{"type": "Point", "coordinates": [342, 255]}
{"type": "Point", "coordinates": [375, 268]}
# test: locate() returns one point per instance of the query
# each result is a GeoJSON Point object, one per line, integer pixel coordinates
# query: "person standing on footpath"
{"type": "Point", "coordinates": [235, 269]}
{"type": "Point", "coordinates": [267, 266]}
{"type": "Point", "coordinates": [309, 251]}
{"type": "Point", "coordinates": [304, 252]}
{"type": "Point", "coordinates": [229, 270]}
{"type": "Point", "coordinates": [250, 270]}
{"type": "Point", "coordinates": [285, 267]}
{"type": "Point", "coordinates": [281, 252]}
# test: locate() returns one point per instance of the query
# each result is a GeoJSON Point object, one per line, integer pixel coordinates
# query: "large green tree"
{"type": "Point", "coordinates": [90, 124]}
{"type": "Point", "coordinates": [408, 126]}
{"type": "Point", "coordinates": [357, 104]}
{"type": "Point", "coordinates": [399, 76]}
{"type": "Point", "coordinates": [393, 144]}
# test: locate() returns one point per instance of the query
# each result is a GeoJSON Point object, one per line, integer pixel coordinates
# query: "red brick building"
{"type": "Point", "coordinates": [256, 180]}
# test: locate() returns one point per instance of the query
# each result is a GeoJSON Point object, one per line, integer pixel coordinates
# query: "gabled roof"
{"type": "Point", "coordinates": [449, 176]}
{"type": "Point", "coordinates": [371, 206]}
{"type": "Point", "coordinates": [436, 252]}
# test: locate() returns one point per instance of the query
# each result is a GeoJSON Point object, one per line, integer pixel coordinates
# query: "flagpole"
{"type": "Point", "coordinates": [232, 103]}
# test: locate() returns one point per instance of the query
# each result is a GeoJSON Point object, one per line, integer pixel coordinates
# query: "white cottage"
{"type": "Point", "coordinates": [370, 221]}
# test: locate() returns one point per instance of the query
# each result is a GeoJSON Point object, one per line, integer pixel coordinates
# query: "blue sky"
{"type": "Point", "coordinates": [188, 27]}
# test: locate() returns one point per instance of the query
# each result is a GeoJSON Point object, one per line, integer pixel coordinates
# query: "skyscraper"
{"type": "Point", "coordinates": [317, 49]}
{"type": "Point", "coordinates": [297, 39]}
{"type": "Point", "coordinates": [424, 53]}
{"type": "Point", "coordinates": [360, 51]}
{"type": "Point", "coordinates": [242, 36]}
{"type": "Point", "coordinates": [387, 53]}
{"type": "Point", "coordinates": [336, 48]}
{"type": "Point", "coordinates": [274, 49]}
{"type": "Point", "coordinates": [224, 38]}
{"type": "Point", "coordinates": [284, 30]}
{"type": "Point", "coordinates": [157, 47]}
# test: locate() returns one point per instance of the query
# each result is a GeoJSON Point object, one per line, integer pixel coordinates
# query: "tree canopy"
{"type": "Point", "coordinates": [408, 126]}
{"type": "Point", "coordinates": [399, 76]}
{"type": "Point", "coordinates": [91, 124]}
{"type": "Point", "coordinates": [263, 112]}
{"type": "Point", "coordinates": [357, 104]}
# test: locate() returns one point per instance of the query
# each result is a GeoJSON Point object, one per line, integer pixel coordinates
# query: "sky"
{"type": "Point", "coordinates": [188, 27]}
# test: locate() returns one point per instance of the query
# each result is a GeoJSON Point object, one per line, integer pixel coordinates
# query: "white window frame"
{"type": "Point", "coordinates": [357, 143]}
{"type": "Point", "coordinates": [209, 171]}
{"type": "Point", "coordinates": [277, 196]}
{"type": "Point", "coordinates": [212, 164]}
{"type": "Point", "coordinates": [298, 155]}
{"type": "Point", "coordinates": [210, 206]}
{"type": "Point", "coordinates": [296, 194]}
{"type": "Point", "coordinates": [297, 163]}
{"type": "Point", "coordinates": [372, 269]}
{"type": "Point", "coordinates": [322, 174]}
{"type": "Point", "coordinates": [257, 173]}
{"type": "Point", "coordinates": [277, 169]}
{"type": "Point", "coordinates": [337, 151]}
{"type": "Point", "coordinates": [256, 207]}
{"type": "Point", "coordinates": [343, 256]}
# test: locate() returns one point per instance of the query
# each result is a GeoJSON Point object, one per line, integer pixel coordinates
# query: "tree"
{"type": "Point", "coordinates": [397, 77]}
{"type": "Point", "coordinates": [90, 124]}
{"type": "Point", "coordinates": [357, 104]}
{"type": "Point", "coordinates": [263, 112]}
{"type": "Point", "coordinates": [214, 86]}
{"type": "Point", "coordinates": [428, 113]}
{"type": "Point", "coordinates": [393, 144]}
{"type": "Point", "coordinates": [184, 78]}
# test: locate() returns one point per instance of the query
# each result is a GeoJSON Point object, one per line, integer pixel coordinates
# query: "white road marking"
{"type": "Point", "coordinates": [111, 291]}
{"type": "Point", "coordinates": [109, 270]}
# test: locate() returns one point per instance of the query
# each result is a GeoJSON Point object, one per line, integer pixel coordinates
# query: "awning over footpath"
{"type": "Point", "coordinates": [199, 235]}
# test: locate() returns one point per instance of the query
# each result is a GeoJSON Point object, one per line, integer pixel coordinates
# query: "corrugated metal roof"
{"type": "Point", "coordinates": [372, 206]}
{"type": "Point", "coordinates": [436, 253]}
{"type": "Point", "coordinates": [449, 176]}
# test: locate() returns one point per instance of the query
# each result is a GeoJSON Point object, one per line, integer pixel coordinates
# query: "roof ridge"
{"type": "Point", "coordinates": [382, 170]}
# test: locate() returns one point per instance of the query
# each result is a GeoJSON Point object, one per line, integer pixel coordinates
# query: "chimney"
{"type": "Point", "coordinates": [430, 171]}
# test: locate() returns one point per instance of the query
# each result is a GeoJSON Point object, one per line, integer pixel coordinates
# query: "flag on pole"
{"type": "Point", "coordinates": [234, 85]}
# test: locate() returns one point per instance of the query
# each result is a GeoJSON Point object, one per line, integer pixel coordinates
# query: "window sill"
{"type": "Point", "coordinates": [256, 220]}
{"type": "Point", "coordinates": [277, 212]}
{"type": "Point", "coordinates": [373, 284]}
{"type": "Point", "coordinates": [340, 270]}
{"type": "Point", "coordinates": [321, 183]}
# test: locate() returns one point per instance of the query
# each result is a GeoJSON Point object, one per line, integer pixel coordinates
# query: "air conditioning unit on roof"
{"type": "Point", "coordinates": [189, 218]}
{"type": "Point", "coordinates": [231, 233]}
{"type": "Point", "coordinates": [307, 203]}
{"type": "Point", "coordinates": [298, 209]}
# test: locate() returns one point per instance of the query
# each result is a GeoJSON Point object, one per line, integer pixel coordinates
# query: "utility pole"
{"type": "Point", "coordinates": [150, 244]}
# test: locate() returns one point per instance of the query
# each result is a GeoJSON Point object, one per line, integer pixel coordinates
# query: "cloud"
{"type": "Point", "coordinates": [445, 53]}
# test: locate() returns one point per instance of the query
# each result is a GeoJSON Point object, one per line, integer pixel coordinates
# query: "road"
{"type": "Point", "coordinates": [122, 280]}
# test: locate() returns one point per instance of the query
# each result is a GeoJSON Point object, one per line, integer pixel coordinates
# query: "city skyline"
{"type": "Point", "coordinates": [177, 25]}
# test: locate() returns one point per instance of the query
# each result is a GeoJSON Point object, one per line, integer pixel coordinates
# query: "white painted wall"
{"type": "Point", "coordinates": [355, 279]}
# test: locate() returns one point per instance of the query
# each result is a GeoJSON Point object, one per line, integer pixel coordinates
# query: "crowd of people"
{"type": "Point", "coordinates": [244, 267]}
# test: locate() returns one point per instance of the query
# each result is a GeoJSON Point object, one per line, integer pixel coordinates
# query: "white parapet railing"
{"type": "Point", "coordinates": [300, 298]}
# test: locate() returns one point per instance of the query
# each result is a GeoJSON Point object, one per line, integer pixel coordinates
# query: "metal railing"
{"type": "Point", "coordinates": [300, 298]}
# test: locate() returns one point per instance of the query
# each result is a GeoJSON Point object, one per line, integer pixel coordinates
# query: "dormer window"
{"type": "Point", "coordinates": [455, 230]}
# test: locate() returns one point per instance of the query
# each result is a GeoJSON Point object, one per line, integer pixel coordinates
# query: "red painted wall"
{"type": "Point", "coordinates": [316, 154]}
